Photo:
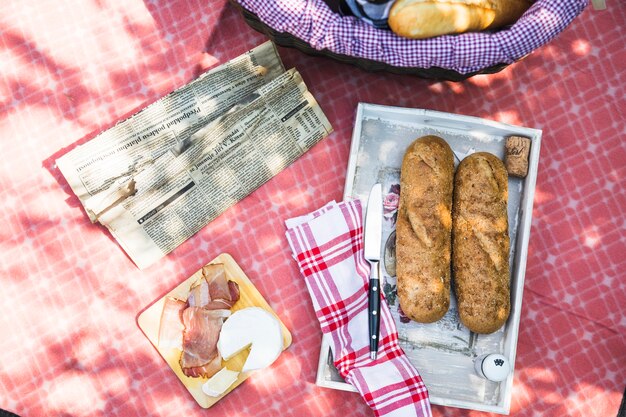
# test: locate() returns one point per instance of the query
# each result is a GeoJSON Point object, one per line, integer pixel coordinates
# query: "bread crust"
{"type": "Point", "coordinates": [480, 243]}
{"type": "Point", "coordinates": [419, 19]}
{"type": "Point", "coordinates": [423, 229]}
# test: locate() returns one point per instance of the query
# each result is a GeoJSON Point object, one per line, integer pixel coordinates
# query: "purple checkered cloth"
{"type": "Point", "coordinates": [313, 22]}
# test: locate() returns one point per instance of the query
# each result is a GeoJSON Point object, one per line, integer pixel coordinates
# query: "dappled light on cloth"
{"type": "Point", "coordinates": [69, 296]}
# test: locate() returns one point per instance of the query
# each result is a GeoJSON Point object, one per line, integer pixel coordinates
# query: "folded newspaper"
{"type": "Point", "coordinates": [158, 177]}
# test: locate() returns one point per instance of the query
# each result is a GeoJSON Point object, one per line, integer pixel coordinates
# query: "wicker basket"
{"type": "Point", "coordinates": [545, 20]}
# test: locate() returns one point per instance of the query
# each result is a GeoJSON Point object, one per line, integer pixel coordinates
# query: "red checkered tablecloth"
{"type": "Point", "coordinates": [69, 296]}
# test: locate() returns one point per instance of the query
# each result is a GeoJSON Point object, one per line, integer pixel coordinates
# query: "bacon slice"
{"type": "Point", "coordinates": [207, 370]}
{"type": "Point", "coordinates": [213, 290]}
{"type": "Point", "coordinates": [171, 325]}
{"type": "Point", "coordinates": [233, 288]}
{"type": "Point", "coordinates": [202, 329]}
{"type": "Point", "coordinates": [199, 294]}
{"type": "Point", "coordinates": [215, 276]}
{"type": "Point", "coordinates": [209, 302]}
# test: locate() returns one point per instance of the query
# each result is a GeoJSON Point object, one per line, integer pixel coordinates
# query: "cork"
{"type": "Point", "coordinates": [516, 153]}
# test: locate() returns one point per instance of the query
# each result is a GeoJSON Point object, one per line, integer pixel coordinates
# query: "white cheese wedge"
{"type": "Point", "coordinates": [251, 326]}
{"type": "Point", "coordinates": [220, 382]}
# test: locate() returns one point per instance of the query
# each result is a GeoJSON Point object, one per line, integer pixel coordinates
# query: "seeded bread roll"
{"type": "Point", "coordinates": [419, 19]}
{"type": "Point", "coordinates": [480, 243]}
{"type": "Point", "coordinates": [423, 229]}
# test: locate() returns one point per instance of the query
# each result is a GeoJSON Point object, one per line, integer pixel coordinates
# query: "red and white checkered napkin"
{"type": "Point", "coordinates": [328, 246]}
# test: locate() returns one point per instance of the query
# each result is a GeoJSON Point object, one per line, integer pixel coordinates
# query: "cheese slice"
{"type": "Point", "coordinates": [220, 382]}
{"type": "Point", "coordinates": [256, 327]}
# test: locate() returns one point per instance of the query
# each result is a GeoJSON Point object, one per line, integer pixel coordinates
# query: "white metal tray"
{"type": "Point", "coordinates": [444, 351]}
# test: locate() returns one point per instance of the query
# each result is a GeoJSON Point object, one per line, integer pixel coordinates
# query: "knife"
{"type": "Point", "coordinates": [372, 247]}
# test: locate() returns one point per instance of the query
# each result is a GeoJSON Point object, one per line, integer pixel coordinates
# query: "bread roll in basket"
{"type": "Point", "coordinates": [422, 19]}
{"type": "Point", "coordinates": [314, 28]}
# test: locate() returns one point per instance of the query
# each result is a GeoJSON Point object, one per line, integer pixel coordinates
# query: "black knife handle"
{"type": "Point", "coordinates": [373, 296]}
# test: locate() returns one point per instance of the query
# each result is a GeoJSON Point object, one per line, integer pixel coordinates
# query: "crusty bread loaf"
{"type": "Point", "coordinates": [480, 243]}
{"type": "Point", "coordinates": [419, 19]}
{"type": "Point", "coordinates": [423, 229]}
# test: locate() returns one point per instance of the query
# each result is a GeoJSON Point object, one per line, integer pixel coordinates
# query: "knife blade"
{"type": "Point", "coordinates": [372, 246]}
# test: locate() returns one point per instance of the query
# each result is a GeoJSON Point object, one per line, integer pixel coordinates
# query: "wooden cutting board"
{"type": "Point", "coordinates": [150, 318]}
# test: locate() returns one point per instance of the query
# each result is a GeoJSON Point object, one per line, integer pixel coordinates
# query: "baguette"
{"type": "Point", "coordinates": [480, 243]}
{"type": "Point", "coordinates": [419, 19]}
{"type": "Point", "coordinates": [423, 229]}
